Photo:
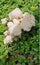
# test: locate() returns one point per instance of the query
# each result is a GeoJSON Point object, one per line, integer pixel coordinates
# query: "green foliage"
{"type": "Point", "coordinates": [24, 51]}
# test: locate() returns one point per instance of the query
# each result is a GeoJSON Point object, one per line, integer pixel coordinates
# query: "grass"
{"type": "Point", "coordinates": [24, 51]}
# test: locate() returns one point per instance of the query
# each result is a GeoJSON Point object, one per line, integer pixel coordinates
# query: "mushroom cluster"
{"type": "Point", "coordinates": [18, 21]}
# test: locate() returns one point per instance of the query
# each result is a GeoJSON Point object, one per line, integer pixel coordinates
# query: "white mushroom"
{"type": "Point", "coordinates": [8, 39]}
{"type": "Point", "coordinates": [27, 22]}
{"type": "Point", "coordinates": [16, 29]}
{"type": "Point", "coordinates": [10, 24]}
{"type": "Point", "coordinates": [19, 21]}
{"type": "Point", "coordinates": [4, 21]}
{"type": "Point", "coordinates": [15, 14]}
{"type": "Point", "coordinates": [6, 33]}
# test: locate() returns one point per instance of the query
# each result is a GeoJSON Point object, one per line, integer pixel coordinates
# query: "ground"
{"type": "Point", "coordinates": [24, 51]}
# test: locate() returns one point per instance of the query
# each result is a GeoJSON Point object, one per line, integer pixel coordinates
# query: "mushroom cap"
{"type": "Point", "coordinates": [27, 22]}
{"type": "Point", "coordinates": [4, 21]}
{"type": "Point", "coordinates": [15, 30]}
{"type": "Point", "coordinates": [15, 14]}
{"type": "Point", "coordinates": [8, 39]}
{"type": "Point", "coordinates": [10, 24]}
{"type": "Point", "coordinates": [6, 33]}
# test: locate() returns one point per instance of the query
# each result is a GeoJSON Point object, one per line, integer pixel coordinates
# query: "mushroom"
{"type": "Point", "coordinates": [10, 24]}
{"type": "Point", "coordinates": [15, 14]}
{"type": "Point", "coordinates": [8, 39]}
{"type": "Point", "coordinates": [4, 21]}
{"type": "Point", "coordinates": [19, 21]}
{"type": "Point", "coordinates": [27, 22]}
{"type": "Point", "coordinates": [16, 21]}
{"type": "Point", "coordinates": [16, 28]}
{"type": "Point", "coordinates": [6, 33]}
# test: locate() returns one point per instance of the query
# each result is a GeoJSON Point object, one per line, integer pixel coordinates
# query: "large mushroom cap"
{"type": "Point", "coordinates": [27, 22]}
{"type": "Point", "coordinates": [16, 13]}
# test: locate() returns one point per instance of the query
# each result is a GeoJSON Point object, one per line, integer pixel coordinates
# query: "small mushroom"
{"type": "Point", "coordinates": [4, 21]}
{"type": "Point", "coordinates": [15, 30]}
{"type": "Point", "coordinates": [8, 39]}
{"type": "Point", "coordinates": [6, 33]}
{"type": "Point", "coordinates": [10, 24]}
